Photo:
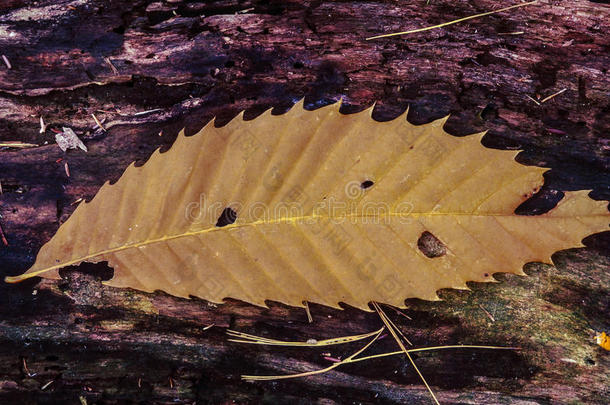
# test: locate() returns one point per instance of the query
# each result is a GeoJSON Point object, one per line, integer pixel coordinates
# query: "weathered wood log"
{"type": "Point", "coordinates": [147, 69]}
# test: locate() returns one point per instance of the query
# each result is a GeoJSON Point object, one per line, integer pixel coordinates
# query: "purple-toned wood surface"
{"type": "Point", "coordinates": [148, 69]}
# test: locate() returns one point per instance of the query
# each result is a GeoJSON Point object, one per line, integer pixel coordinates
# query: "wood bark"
{"type": "Point", "coordinates": [148, 69]}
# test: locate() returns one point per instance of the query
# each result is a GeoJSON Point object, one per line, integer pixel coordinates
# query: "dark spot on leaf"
{"type": "Point", "coordinates": [227, 217]}
{"type": "Point", "coordinates": [366, 184]}
{"type": "Point", "coordinates": [431, 246]}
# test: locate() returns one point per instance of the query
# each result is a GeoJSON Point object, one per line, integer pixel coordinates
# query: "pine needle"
{"type": "Point", "coordinates": [452, 22]}
{"type": "Point", "coordinates": [544, 100]}
{"type": "Point", "coordinates": [353, 359]}
{"type": "Point", "coordinates": [396, 327]}
{"type": "Point", "coordinates": [388, 325]}
{"type": "Point", "coordinates": [309, 317]}
{"type": "Point", "coordinates": [532, 99]}
{"type": "Point", "coordinates": [258, 340]}
{"type": "Point", "coordinates": [424, 349]}
{"type": "Point", "coordinates": [98, 122]}
{"type": "Point", "coordinates": [314, 372]}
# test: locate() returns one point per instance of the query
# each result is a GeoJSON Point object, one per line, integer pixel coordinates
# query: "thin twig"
{"type": "Point", "coordinates": [452, 22]}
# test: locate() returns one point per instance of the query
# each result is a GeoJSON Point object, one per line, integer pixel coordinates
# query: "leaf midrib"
{"type": "Point", "coordinates": [274, 221]}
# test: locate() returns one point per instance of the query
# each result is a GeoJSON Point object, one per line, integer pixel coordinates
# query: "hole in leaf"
{"type": "Point", "coordinates": [431, 246]}
{"type": "Point", "coordinates": [227, 217]}
{"type": "Point", "coordinates": [366, 184]}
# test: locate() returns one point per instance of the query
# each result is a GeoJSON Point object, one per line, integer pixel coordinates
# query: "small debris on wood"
{"type": "Point", "coordinates": [533, 100]}
{"type": "Point", "coordinates": [17, 144]}
{"type": "Point", "coordinates": [512, 33]}
{"type": "Point", "coordinates": [67, 169]}
{"type": "Point", "coordinates": [603, 340]}
{"type": "Point", "coordinates": [68, 140]}
{"type": "Point", "coordinates": [43, 126]}
{"type": "Point", "coordinates": [555, 131]}
{"type": "Point", "coordinates": [114, 69]}
{"type": "Point", "coordinates": [147, 112]}
{"type": "Point", "coordinates": [117, 111]}
{"type": "Point", "coordinates": [171, 382]}
{"type": "Point", "coordinates": [26, 370]}
{"type": "Point", "coordinates": [309, 317]}
{"type": "Point", "coordinates": [544, 100]}
{"type": "Point", "coordinates": [490, 316]}
{"type": "Point", "coordinates": [76, 201]}
{"type": "Point", "coordinates": [244, 11]}
{"type": "Point", "coordinates": [2, 237]}
{"type": "Point", "coordinates": [44, 387]}
{"type": "Point", "coordinates": [7, 62]}
{"type": "Point", "coordinates": [99, 124]}
{"type": "Point", "coordinates": [208, 327]}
